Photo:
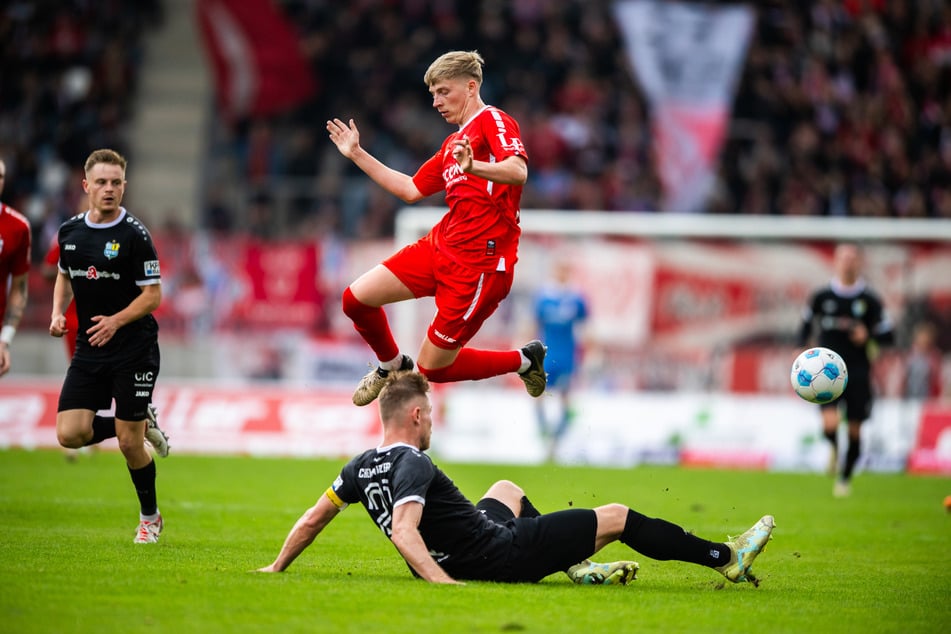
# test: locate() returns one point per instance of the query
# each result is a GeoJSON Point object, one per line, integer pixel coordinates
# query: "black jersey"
{"type": "Point", "coordinates": [107, 264]}
{"type": "Point", "coordinates": [835, 309]}
{"type": "Point", "coordinates": [455, 532]}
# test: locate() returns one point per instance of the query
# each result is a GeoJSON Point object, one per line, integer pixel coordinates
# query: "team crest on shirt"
{"type": "Point", "coordinates": [112, 250]}
{"type": "Point", "coordinates": [859, 307]}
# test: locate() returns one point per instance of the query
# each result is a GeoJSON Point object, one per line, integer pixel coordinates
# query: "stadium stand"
{"type": "Point", "coordinates": [844, 108]}
{"type": "Point", "coordinates": [69, 84]}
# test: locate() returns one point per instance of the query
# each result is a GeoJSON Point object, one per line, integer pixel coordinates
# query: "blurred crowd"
{"type": "Point", "coordinates": [843, 108]}
{"type": "Point", "coordinates": [69, 73]}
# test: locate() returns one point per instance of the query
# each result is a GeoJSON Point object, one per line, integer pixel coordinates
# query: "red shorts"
{"type": "Point", "coordinates": [465, 297]}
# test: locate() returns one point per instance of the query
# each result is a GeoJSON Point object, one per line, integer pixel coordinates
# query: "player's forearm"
{"type": "Point", "coordinates": [411, 546]}
{"type": "Point", "coordinates": [397, 183]}
{"type": "Point", "coordinates": [511, 171]}
{"type": "Point", "coordinates": [146, 303]}
{"type": "Point", "coordinates": [300, 537]}
{"type": "Point", "coordinates": [16, 301]}
{"type": "Point", "coordinates": [62, 295]}
{"type": "Point", "coordinates": [304, 532]}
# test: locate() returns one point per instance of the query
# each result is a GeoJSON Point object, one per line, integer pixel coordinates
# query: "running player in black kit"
{"type": "Point", "coordinates": [109, 267]}
{"type": "Point", "coordinates": [443, 537]}
{"type": "Point", "coordinates": [849, 316]}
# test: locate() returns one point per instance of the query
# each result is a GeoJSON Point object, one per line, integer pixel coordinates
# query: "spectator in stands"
{"type": "Point", "coordinates": [923, 364]}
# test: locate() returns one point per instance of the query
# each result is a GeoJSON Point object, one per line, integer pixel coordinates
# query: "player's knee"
{"type": "Point", "coordinates": [508, 488]}
{"type": "Point", "coordinates": [350, 303]}
{"type": "Point", "coordinates": [611, 518]}
{"type": "Point", "coordinates": [71, 434]}
{"type": "Point", "coordinates": [69, 438]}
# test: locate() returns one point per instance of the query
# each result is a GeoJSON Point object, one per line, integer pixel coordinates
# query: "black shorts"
{"type": "Point", "coordinates": [92, 384]}
{"type": "Point", "coordinates": [542, 545]}
{"type": "Point", "coordinates": [856, 399]}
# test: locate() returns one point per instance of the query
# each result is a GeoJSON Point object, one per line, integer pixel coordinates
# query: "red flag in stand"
{"type": "Point", "coordinates": [255, 56]}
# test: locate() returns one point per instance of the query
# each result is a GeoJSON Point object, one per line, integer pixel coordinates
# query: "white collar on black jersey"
{"type": "Point", "coordinates": [105, 225]}
{"type": "Point", "coordinates": [394, 445]}
{"type": "Point", "coordinates": [844, 290]}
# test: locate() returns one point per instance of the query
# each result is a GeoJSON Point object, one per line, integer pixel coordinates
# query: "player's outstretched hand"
{"type": "Point", "coordinates": [345, 137]}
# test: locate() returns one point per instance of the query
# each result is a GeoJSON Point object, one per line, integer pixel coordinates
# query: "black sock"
{"type": "Point", "coordinates": [852, 453]}
{"type": "Point", "coordinates": [103, 427]}
{"type": "Point", "coordinates": [663, 540]}
{"type": "Point", "coordinates": [528, 509]}
{"type": "Point", "coordinates": [832, 437]}
{"type": "Point", "coordinates": [144, 481]}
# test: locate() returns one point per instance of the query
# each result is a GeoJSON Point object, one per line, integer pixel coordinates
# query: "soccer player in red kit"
{"type": "Point", "coordinates": [467, 261]}
{"type": "Point", "coordinates": [14, 269]}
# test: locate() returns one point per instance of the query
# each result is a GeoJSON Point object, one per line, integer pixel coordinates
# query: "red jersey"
{"type": "Point", "coordinates": [481, 228]}
{"type": "Point", "coordinates": [14, 250]}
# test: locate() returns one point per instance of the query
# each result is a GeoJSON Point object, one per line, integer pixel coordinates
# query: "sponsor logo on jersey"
{"type": "Point", "coordinates": [112, 250]}
{"type": "Point", "coordinates": [69, 247]}
{"type": "Point", "coordinates": [152, 268]}
{"type": "Point", "coordinates": [445, 338]}
{"type": "Point", "coordinates": [92, 273]}
{"type": "Point", "coordinates": [513, 145]}
{"type": "Point", "coordinates": [369, 472]}
{"type": "Point", "coordinates": [142, 393]}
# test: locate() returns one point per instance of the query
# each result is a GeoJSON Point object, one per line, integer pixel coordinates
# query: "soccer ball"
{"type": "Point", "coordinates": [819, 375]}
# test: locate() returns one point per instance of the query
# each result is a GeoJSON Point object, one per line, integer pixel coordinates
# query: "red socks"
{"type": "Point", "coordinates": [472, 365]}
{"type": "Point", "coordinates": [372, 325]}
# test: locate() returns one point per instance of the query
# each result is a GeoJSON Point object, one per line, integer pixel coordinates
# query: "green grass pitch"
{"type": "Point", "coordinates": [879, 561]}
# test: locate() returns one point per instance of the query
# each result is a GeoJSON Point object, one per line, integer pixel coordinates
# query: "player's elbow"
{"type": "Point", "coordinates": [517, 170]}
{"type": "Point", "coordinates": [521, 176]}
{"type": "Point", "coordinates": [403, 537]}
{"type": "Point", "coordinates": [411, 198]}
{"type": "Point", "coordinates": [155, 298]}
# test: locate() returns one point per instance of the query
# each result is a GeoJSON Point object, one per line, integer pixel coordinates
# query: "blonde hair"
{"type": "Point", "coordinates": [455, 64]}
{"type": "Point", "coordinates": [105, 155]}
{"type": "Point", "coordinates": [401, 388]}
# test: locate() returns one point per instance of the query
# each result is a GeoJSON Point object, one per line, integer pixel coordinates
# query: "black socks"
{"type": "Point", "coordinates": [144, 481]}
{"type": "Point", "coordinates": [103, 428]}
{"type": "Point", "coordinates": [663, 540]}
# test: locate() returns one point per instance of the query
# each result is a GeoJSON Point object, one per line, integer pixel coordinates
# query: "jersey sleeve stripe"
{"type": "Point", "coordinates": [410, 498]}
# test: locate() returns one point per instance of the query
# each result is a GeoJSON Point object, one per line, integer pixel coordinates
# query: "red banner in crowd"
{"type": "Point", "coordinates": [256, 57]}
{"type": "Point", "coordinates": [282, 280]}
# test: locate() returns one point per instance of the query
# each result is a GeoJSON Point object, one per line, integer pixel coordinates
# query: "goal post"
{"type": "Point", "coordinates": [697, 287]}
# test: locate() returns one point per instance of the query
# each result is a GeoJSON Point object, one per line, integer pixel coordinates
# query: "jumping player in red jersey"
{"type": "Point", "coordinates": [467, 261]}
{"type": "Point", "coordinates": [14, 268]}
